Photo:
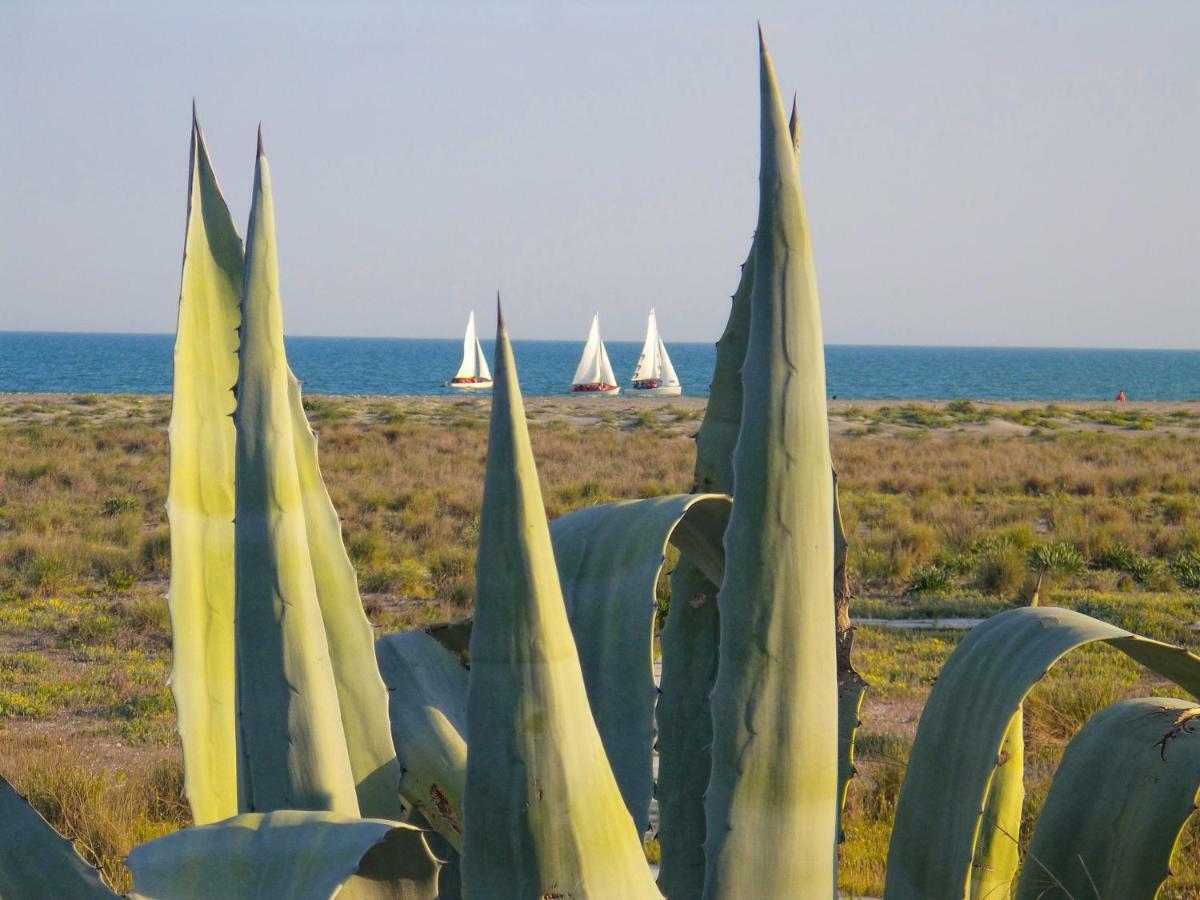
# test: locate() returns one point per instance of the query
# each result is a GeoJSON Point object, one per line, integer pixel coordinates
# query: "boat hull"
{"type": "Point", "coordinates": [666, 390]}
{"type": "Point", "coordinates": [606, 390]}
{"type": "Point", "coordinates": [469, 385]}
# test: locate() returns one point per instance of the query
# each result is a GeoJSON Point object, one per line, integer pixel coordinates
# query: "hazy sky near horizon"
{"type": "Point", "coordinates": [1025, 173]}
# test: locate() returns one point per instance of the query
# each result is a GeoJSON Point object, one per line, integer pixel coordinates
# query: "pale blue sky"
{"type": "Point", "coordinates": [1025, 173]}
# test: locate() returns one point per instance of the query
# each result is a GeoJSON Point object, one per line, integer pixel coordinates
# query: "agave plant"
{"type": "Point", "coordinates": [512, 755]}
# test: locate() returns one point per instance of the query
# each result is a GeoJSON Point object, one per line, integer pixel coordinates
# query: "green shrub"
{"type": "Point", "coordinates": [869, 563]}
{"type": "Point", "coordinates": [114, 506]}
{"type": "Point", "coordinates": [1056, 558]}
{"type": "Point", "coordinates": [119, 580]}
{"type": "Point", "coordinates": [1022, 535]}
{"type": "Point", "coordinates": [919, 540]}
{"type": "Point", "coordinates": [1185, 568]}
{"type": "Point", "coordinates": [928, 580]}
{"type": "Point", "coordinates": [1001, 571]}
{"type": "Point", "coordinates": [1122, 558]}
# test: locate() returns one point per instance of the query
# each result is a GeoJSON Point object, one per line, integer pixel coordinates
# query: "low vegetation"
{"type": "Point", "coordinates": [948, 516]}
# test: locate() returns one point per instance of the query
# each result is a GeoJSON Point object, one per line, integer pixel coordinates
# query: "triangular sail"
{"type": "Point", "coordinates": [666, 371]}
{"type": "Point", "coordinates": [468, 368]}
{"type": "Point", "coordinates": [590, 365]}
{"type": "Point", "coordinates": [606, 372]}
{"type": "Point", "coordinates": [647, 364]}
{"type": "Point", "coordinates": [481, 366]}
{"type": "Point", "coordinates": [474, 367]}
{"type": "Point", "coordinates": [654, 364]}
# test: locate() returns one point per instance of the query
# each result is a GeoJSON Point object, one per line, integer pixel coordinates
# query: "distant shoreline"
{"type": "Point", "coordinates": [635, 401]}
{"type": "Point", "coordinates": [678, 415]}
{"type": "Point", "coordinates": [630, 400]}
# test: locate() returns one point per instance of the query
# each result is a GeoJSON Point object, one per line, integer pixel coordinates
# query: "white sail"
{"type": "Point", "coordinates": [666, 370]}
{"type": "Point", "coordinates": [654, 364]}
{"type": "Point", "coordinates": [474, 366]}
{"type": "Point", "coordinates": [647, 364]}
{"type": "Point", "coordinates": [589, 369]}
{"type": "Point", "coordinates": [606, 372]}
{"type": "Point", "coordinates": [481, 366]}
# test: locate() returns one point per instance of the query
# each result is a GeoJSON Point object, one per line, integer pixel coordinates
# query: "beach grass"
{"type": "Point", "coordinates": [952, 510]}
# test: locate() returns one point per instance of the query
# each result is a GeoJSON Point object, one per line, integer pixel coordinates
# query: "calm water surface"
{"type": "Point", "coordinates": [136, 363]}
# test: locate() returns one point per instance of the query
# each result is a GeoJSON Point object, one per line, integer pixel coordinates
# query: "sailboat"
{"type": "Point", "coordinates": [595, 374]}
{"type": "Point", "coordinates": [654, 374]}
{"type": "Point", "coordinates": [473, 374]}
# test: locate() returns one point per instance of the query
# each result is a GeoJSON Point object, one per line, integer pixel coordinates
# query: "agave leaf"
{"type": "Point", "coordinates": [691, 634]}
{"type": "Point", "coordinates": [609, 558]}
{"type": "Point", "coordinates": [689, 644]}
{"type": "Point", "coordinates": [362, 697]}
{"type": "Point", "coordinates": [449, 859]}
{"type": "Point", "coordinates": [997, 846]}
{"type": "Point", "coordinates": [37, 861]}
{"type": "Point", "coordinates": [1126, 786]}
{"type": "Point", "coordinates": [200, 501]}
{"type": "Point", "coordinates": [851, 690]}
{"type": "Point", "coordinates": [722, 421]}
{"type": "Point", "coordinates": [454, 636]}
{"type": "Point", "coordinates": [969, 712]}
{"type": "Point", "coordinates": [298, 855]}
{"type": "Point", "coordinates": [292, 744]}
{"type": "Point", "coordinates": [543, 814]}
{"type": "Point", "coordinates": [690, 638]}
{"type": "Point", "coordinates": [997, 849]}
{"type": "Point", "coordinates": [851, 685]}
{"type": "Point", "coordinates": [772, 796]}
{"type": "Point", "coordinates": [427, 703]}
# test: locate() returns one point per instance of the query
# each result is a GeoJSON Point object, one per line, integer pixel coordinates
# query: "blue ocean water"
{"type": "Point", "coordinates": [137, 363]}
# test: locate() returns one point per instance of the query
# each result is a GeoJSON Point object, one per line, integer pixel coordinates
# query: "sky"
{"type": "Point", "coordinates": [1016, 174]}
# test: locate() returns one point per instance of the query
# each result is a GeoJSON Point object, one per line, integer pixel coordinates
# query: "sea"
{"type": "Point", "coordinates": [141, 364]}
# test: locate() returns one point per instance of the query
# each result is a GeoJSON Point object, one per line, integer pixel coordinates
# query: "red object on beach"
{"type": "Point", "coordinates": [1120, 396]}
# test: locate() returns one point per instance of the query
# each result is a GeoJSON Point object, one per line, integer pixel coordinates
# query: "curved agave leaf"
{"type": "Point", "coordinates": [543, 814]}
{"type": "Point", "coordinates": [37, 861]}
{"type": "Point", "coordinates": [427, 704]}
{"type": "Point", "coordinates": [997, 846]}
{"type": "Point", "coordinates": [449, 859]}
{"type": "Point", "coordinates": [956, 752]}
{"type": "Point", "coordinates": [362, 697]}
{"type": "Point", "coordinates": [997, 850]}
{"type": "Point", "coordinates": [1123, 792]}
{"type": "Point", "coordinates": [298, 855]}
{"type": "Point", "coordinates": [608, 559]}
{"type": "Point", "coordinates": [851, 690]}
{"type": "Point", "coordinates": [689, 642]}
{"type": "Point", "coordinates": [292, 745]}
{"type": "Point", "coordinates": [772, 796]}
{"type": "Point", "coordinates": [200, 503]}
